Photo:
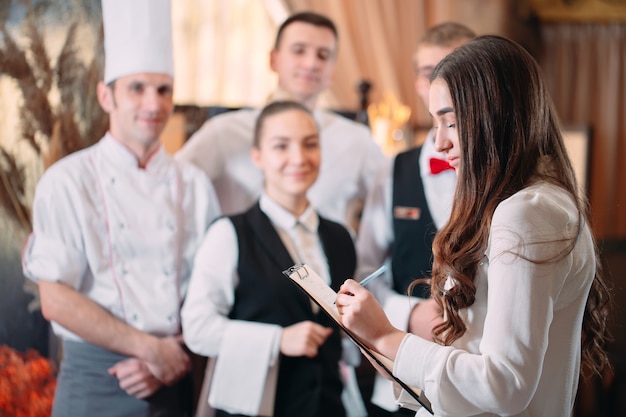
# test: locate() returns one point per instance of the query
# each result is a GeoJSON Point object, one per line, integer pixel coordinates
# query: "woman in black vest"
{"type": "Point", "coordinates": [277, 354]}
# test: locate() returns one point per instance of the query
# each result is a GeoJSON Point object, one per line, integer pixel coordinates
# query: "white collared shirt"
{"type": "Point", "coordinates": [209, 332]}
{"type": "Point", "coordinates": [299, 235]}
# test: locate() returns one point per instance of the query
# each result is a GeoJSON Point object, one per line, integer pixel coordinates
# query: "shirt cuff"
{"type": "Point", "coordinates": [51, 260]}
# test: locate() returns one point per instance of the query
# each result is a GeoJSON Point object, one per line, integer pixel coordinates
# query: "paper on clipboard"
{"type": "Point", "coordinates": [324, 296]}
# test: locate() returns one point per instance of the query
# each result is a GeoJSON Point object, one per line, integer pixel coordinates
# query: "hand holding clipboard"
{"type": "Point", "coordinates": [324, 296]}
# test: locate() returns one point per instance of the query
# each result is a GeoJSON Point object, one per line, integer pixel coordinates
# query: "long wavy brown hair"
{"type": "Point", "coordinates": [506, 124]}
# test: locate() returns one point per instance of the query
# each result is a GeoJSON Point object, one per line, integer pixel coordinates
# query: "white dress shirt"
{"type": "Point", "coordinates": [124, 237]}
{"type": "Point", "coordinates": [207, 329]}
{"type": "Point", "coordinates": [520, 355]}
{"type": "Point", "coordinates": [350, 160]}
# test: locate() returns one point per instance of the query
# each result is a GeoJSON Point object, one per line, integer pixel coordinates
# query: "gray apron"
{"type": "Point", "coordinates": [84, 388]}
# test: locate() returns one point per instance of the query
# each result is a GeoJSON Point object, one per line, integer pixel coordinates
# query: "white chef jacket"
{"type": "Point", "coordinates": [520, 355]}
{"type": "Point", "coordinates": [350, 161]}
{"type": "Point", "coordinates": [124, 237]}
{"type": "Point", "coordinates": [247, 352]}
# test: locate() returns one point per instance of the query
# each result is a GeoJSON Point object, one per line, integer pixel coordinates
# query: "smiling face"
{"type": "Point", "coordinates": [304, 60]}
{"type": "Point", "coordinates": [288, 153]}
{"type": "Point", "coordinates": [444, 122]}
{"type": "Point", "coordinates": [139, 106]}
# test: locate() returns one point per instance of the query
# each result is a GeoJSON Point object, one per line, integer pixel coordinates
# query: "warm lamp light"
{"type": "Point", "coordinates": [388, 121]}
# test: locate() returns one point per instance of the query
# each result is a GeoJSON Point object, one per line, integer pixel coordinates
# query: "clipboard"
{"type": "Point", "coordinates": [324, 296]}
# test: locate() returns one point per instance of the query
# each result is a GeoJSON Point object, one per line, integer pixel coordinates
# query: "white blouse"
{"type": "Point", "coordinates": [520, 355]}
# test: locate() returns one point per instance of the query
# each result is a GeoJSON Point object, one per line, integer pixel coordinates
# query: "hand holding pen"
{"type": "Point", "coordinates": [371, 277]}
{"type": "Point", "coordinates": [360, 312]}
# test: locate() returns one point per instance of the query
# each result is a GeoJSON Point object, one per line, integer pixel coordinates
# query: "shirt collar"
{"type": "Point", "coordinates": [122, 157]}
{"type": "Point", "coordinates": [323, 118]}
{"type": "Point", "coordinates": [284, 219]}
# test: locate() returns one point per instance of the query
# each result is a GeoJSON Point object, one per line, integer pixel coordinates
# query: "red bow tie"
{"type": "Point", "coordinates": [439, 165]}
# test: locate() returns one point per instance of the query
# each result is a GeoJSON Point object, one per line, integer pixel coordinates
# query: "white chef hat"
{"type": "Point", "coordinates": [137, 37]}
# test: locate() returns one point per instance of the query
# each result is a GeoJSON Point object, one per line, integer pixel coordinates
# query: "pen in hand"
{"type": "Point", "coordinates": [371, 277]}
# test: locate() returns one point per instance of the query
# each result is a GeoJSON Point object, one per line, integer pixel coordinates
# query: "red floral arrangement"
{"type": "Point", "coordinates": [27, 383]}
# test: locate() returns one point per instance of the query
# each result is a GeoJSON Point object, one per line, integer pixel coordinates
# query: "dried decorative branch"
{"type": "Point", "coordinates": [37, 107]}
{"type": "Point", "coordinates": [29, 132]}
{"type": "Point", "coordinates": [95, 121]}
{"type": "Point", "coordinates": [68, 68]}
{"type": "Point", "coordinates": [12, 60]}
{"type": "Point", "coordinates": [65, 138]}
{"type": "Point", "coordinates": [12, 190]}
{"type": "Point", "coordinates": [14, 63]}
{"type": "Point", "coordinates": [70, 124]}
{"type": "Point", "coordinates": [39, 56]}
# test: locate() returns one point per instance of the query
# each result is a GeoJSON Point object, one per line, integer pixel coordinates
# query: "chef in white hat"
{"type": "Point", "coordinates": [116, 226]}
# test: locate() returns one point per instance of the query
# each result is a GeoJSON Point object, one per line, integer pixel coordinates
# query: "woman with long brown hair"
{"type": "Point", "coordinates": [516, 271]}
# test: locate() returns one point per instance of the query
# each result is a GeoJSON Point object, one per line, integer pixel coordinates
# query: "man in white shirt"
{"type": "Point", "coordinates": [115, 229]}
{"type": "Point", "coordinates": [412, 199]}
{"type": "Point", "coordinates": [303, 57]}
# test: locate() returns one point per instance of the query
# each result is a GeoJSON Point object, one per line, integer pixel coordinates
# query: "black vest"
{"type": "Point", "coordinates": [306, 386]}
{"type": "Point", "coordinates": [413, 226]}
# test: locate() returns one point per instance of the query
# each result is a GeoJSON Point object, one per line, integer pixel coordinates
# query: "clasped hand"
{"type": "Point", "coordinates": [166, 363]}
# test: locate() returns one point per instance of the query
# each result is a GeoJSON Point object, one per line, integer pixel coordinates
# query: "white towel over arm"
{"type": "Point", "coordinates": [246, 371]}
